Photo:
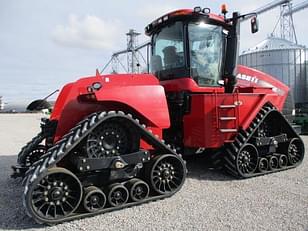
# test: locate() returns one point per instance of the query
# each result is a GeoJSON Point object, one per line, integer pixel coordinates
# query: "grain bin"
{"type": "Point", "coordinates": [282, 59]}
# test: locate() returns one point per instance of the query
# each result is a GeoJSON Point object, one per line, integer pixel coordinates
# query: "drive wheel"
{"type": "Point", "coordinates": [247, 160]}
{"type": "Point", "coordinates": [167, 174]}
{"type": "Point", "coordinates": [94, 199]}
{"type": "Point", "coordinates": [295, 151]}
{"type": "Point", "coordinates": [35, 155]}
{"type": "Point", "coordinates": [118, 195]}
{"type": "Point", "coordinates": [263, 130]}
{"type": "Point", "coordinates": [138, 189]}
{"type": "Point", "coordinates": [110, 139]}
{"type": "Point", "coordinates": [54, 196]}
{"type": "Point", "coordinates": [263, 165]}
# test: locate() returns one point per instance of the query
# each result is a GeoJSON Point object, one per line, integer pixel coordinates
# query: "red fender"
{"type": "Point", "coordinates": [140, 94]}
{"type": "Point", "coordinates": [251, 78]}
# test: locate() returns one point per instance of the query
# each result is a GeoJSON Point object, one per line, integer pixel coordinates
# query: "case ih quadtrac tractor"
{"type": "Point", "coordinates": [113, 141]}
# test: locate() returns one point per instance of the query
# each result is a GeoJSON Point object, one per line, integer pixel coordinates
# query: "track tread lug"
{"type": "Point", "coordinates": [92, 121]}
{"type": "Point", "coordinates": [231, 171]}
{"type": "Point", "coordinates": [234, 147]}
{"type": "Point", "coordinates": [230, 154]}
{"type": "Point", "coordinates": [230, 163]}
{"type": "Point", "coordinates": [84, 128]}
{"type": "Point", "coordinates": [111, 112]}
{"type": "Point", "coordinates": [101, 115]}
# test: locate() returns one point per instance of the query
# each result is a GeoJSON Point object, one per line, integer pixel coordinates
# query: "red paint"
{"type": "Point", "coordinates": [143, 96]}
{"type": "Point", "coordinates": [188, 84]}
{"type": "Point", "coordinates": [138, 94]}
{"type": "Point", "coordinates": [188, 12]}
{"type": "Point", "coordinates": [202, 126]}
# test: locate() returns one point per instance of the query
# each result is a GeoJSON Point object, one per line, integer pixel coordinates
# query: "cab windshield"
{"type": "Point", "coordinates": [200, 57]}
{"type": "Point", "coordinates": [206, 50]}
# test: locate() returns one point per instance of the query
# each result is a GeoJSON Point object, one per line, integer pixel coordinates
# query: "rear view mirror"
{"type": "Point", "coordinates": [254, 25]}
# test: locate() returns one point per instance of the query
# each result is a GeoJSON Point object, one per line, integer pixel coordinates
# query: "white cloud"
{"type": "Point", "coordinates": [87, 32]}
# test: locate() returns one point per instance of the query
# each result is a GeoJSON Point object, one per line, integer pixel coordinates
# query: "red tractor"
{"type": "Point", "coordinates": [113, 141]}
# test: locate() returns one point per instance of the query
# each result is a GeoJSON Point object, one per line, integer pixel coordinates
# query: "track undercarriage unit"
{"type": "Point", "coordinates": [268, 145]}
{"type": "Point", "coordinates": [98, 167]}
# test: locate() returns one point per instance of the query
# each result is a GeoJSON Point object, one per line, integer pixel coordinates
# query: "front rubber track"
{"type": "Point", "coordinates": [64, 147]}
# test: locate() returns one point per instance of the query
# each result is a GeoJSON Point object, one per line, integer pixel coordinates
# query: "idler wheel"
{"type": "Point", "coordinates": [295, 151]}
{"type": "Point", "coordinates": [118, 195]}
{"type": "Point", "coordinates": [138, 189]}
{"type": "Point", "coordinates": [53, 196]}
{"type": "Point", "coordinates": [167, 174]}
{"type": "Point", "coordinates": [263, 165]}
{"type": "Point", "coordinates": [247, 160]}
{"type": "Point", "coordinates": [94, 199]}
{"type": "Point", "coordinates": [273, 162]}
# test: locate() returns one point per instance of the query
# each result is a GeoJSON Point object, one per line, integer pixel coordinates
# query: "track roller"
{"type": "Point", "coordinates": [263, 165]}
{"type": "Point", "coordinates": [94, 199]}
{"type": "Point", "coordinates": [167, 174]}
{"type": "Point", "coordinates": [138, 189]}
{"type": "Point", "coordinates": [282, 161]}
{"type": "Point", "coordinates": [118, 195]}
{"type": "Point", "coordinates": [273, 162]}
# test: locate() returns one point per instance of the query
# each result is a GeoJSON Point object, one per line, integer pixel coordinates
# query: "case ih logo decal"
{"type": "Point", "coordinates": [248, 78]}
{"type": "Point", "coordinates": [260, 83]}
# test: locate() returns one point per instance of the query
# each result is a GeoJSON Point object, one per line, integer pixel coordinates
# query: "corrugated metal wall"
{"type": "Point", "coordinates": [288, 65]}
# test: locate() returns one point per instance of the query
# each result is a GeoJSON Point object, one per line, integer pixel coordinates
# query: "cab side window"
{"type": "Point", "coordinates": [168, 50]}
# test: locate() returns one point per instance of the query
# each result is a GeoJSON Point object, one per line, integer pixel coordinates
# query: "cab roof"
{"type": "Point", "coordinates": [182, 14]}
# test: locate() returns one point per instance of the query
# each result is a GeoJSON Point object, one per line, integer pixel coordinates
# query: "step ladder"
{"type": "Point", "coordinates": [232, 111]}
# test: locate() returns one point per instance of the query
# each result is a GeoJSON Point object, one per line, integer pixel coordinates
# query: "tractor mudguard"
{"type": "Point", "coordinates": [139, 94]}
{"type": "Point", "coordinates": [269, 89]}
{"type": "Point", "coordinates": [261, 82]}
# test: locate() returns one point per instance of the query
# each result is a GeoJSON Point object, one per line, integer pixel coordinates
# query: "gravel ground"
{"type": "Point", "coordinates": [209, 200]}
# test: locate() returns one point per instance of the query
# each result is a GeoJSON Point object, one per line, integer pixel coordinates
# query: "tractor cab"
{"type": "Point", "coordinates": [196, 48]}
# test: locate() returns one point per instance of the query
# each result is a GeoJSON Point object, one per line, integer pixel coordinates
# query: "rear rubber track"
{"type": "Point", "coordinates": [228, 159]}
{"type": "Point", "coordinates": [28, 148]}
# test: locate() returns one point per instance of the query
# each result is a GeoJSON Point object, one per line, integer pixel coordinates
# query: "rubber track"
{"type": "Point", "coordinates": [29, 147]}
{"type": "Point", "coordinates": [231, 149]}
{"type": "Point", "coordinates": [64, 146]}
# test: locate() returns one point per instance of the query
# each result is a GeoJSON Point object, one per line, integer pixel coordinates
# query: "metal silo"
{"type": "Point", "coordinates": [284, 60]}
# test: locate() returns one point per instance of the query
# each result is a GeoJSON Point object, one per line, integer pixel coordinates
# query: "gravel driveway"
{"type": "Point", "coordinates": [209, 199]}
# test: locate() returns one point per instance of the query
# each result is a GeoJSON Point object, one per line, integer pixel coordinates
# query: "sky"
{"type": "Point", "coordinates": [45, 44]}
